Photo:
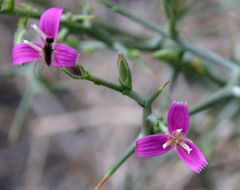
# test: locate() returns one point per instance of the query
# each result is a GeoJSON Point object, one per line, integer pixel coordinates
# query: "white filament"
{"type": "Point", "coordinates": [40, 32]}
{"type": "Point", "coordinates": [185, 146]}
{"type": "Point", "coordinates": [32, 45]}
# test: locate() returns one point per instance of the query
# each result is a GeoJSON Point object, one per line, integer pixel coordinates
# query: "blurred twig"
{"type": "Point", "coordinates": [20, 115]}
{"type": "Point", "coordinates": [179, 41]}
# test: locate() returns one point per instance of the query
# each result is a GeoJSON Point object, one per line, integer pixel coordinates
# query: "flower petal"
{"type": "Point", "coordinates": [49, 22]}
{"type": "Point", "coordinates": [152, 145]}
{"type": "Point", "coordinates": [22, 53]}
{"type": "Point", "coordinates": [178, 117]}
{"type": "Point", "coordinates": [195, 159]}
{"type": "Point", "coordinates": [64, 56]}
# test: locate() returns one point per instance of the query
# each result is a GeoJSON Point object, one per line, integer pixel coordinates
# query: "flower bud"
{"type": "Point", "coordinates": [198, 66]}
{"type": "Point", "coordinates": [168, 54]}
{"type": "Point", "coordinates": [76, 70]}
{"type": "Point", "coordinates": [124, 73]}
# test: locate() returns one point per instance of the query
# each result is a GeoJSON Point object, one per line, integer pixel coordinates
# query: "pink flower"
{"type": "Point", "coordinates": [178, 124]}
{"type": "Point", "coordinates": [54, 54]}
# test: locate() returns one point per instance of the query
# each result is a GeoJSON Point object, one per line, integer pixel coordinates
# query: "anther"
{"type": "Point", "coordinates": [185, 146]}
{"type": "Point", "coordinates": [32, 45]}
{"type": "Point", "coordinates": [179, 130]}
{"type": "Point", "coordinates": [166, 144]}
{"type": "Point", "coordinates": [40, 32]}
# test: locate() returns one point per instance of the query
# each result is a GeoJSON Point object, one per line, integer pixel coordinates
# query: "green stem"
{"type": "Point", "coordinates": [1, 2]}
{"type": "Point", "coordinates": [130, 93]}
{"type": "Point", "coordinates": [156, 94]}
{"type": "Point", "coordinates": [130, 150]}
{"type": "Point", "coordinates": [95, 33]}
{"type": "Point", "coordinates": [91, 31]}
{"type": "Point", "coordinates": [20, 115]}
{"type": "Point", "coordinates": [98, 81]}
{"type": "Point", "coordinates": [118, 9]}
{"type": "Point", "coordinates": [182, 43]}
{"type": "Point", "coordinates": [214, 58]}
{"type": "Point", "coordinates": [21, 13]}
{"type": "Point", "coordinates": [147, 126]}
{"type": "Point", "coordinates": [213, 99]}
{"type": "Point", "coordinates": [9, 4]}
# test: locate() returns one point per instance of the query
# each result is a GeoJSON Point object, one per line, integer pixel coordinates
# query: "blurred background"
{"type": "Point", "coordinates": [63, 134]}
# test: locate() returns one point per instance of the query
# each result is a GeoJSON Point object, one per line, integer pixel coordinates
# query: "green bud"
{"type": "Point", "coordinates": [76, 72]}
{"type": "Point", "coordinates": [198, 66]}
{"type": "Point", "coordinates": [168, 54]}
{"type": "Point", "coordinates": [124, 73]}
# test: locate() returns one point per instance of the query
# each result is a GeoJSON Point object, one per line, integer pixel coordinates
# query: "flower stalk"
{"type": "Point", "coordinates": [18, 120]}
{"type": "Point", "coordinates": [98, 81]}
{"type": "Point", "coordinates": [130, 150]}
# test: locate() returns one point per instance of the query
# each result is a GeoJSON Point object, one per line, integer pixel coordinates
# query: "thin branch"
{"type": "Point", "coordinates": [17, 124]}
{"type": "Point", "coordinates": [214, 58]}
{"type": "Point", "coordinates": [98, 81]}
{"type": "Point", "coordinates": [118, 163]}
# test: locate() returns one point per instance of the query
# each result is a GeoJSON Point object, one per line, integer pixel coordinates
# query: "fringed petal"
{"type": "Point", "coordinates": [193, 159]}
{"type": "Point", "coordinates": [178, 118]}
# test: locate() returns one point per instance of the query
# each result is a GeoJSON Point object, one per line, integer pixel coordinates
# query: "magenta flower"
{"type": "Point", "coordinates": [54, 54]}
{"type": "Point", "coordinates": [178, 124]}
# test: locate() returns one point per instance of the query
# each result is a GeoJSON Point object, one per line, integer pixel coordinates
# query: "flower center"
{"type": "Point", "coordinates": [43, 35]}
{"type": "Point", "coordinates": [177, 140]}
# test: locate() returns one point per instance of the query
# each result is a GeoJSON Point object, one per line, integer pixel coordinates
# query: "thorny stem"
{"type": "Point", "coordinates": [147, 127]}
{"type": "Point", "coordinates": [224, 93]}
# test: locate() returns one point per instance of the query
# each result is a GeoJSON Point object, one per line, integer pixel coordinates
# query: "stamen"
{"type": "Point", "coordinates": [179, 130]}
{"type": "Point", "coordinates": [185, 146]}
{"type": "Point", "coordinates": [40, 32]}
{"type": "Point", "coordinates": [166, 144]}
{"type": "Point", "coordinates": [32, 45]}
